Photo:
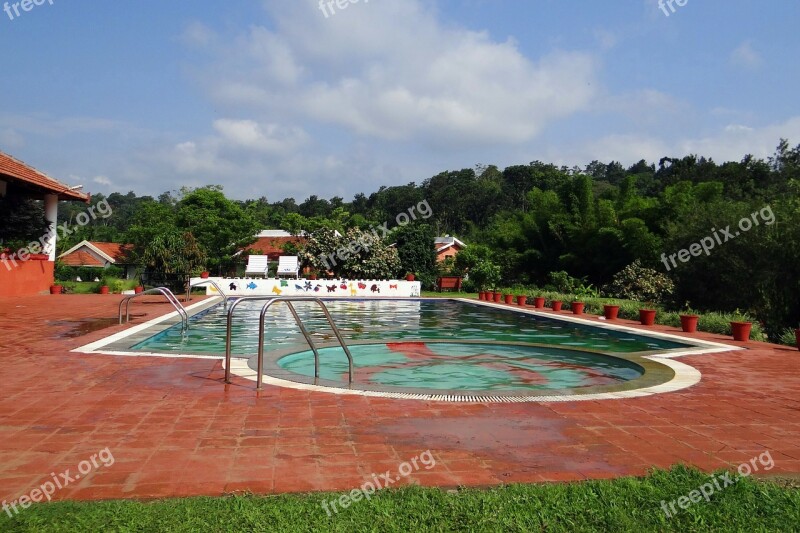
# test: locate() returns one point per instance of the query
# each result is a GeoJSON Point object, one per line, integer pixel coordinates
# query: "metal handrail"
{"type": "Point", "coordinates": [229, 327]}
{"type": "Point", "coordinates": [273, 299]}
{"type": "Point", "coordinates": [190, 286]}
{"type": "Point", "coordinates": [157, 290]}
{"type": "Point", "coordinates": [289, 300]}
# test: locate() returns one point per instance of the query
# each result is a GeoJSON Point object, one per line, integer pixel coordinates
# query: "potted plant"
{"type": "Point", "coordinates": [610, 311]}
{"type": "Point", "coordinates": [522, 299]}
{"type": "Point", "coordinates": [577, 307]}
{"type": "Point", "coordinates": [538, 302]}
{"type": "Point", "coordinates": [647, 316]}
{"type": "Point", "coordinates": [104, 289]}
{"type": "Point", "coordinates": [689, 320]}
{"type": "Point", "coordinates": [797, 337]}
{"type": "Point", "coordinates": [509, 298]}
{"type": "Point", "coordinates": [497, 296]}
{"type": "Point", "coordinates": [410, 276]}
{"type": "Point", "coordinates": [740, 327]}
{"type": "Point", "coordinates": [556, 305]}
{"type": "Point", "coordinates": [204, 274]}
{"type": "Point", "coordinates": [56, 289]}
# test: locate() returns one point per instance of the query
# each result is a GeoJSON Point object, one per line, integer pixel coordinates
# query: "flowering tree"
{"type": "Point", "coordinates": [357, 254]}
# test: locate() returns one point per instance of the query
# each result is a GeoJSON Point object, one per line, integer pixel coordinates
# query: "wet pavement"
{"type": "Point", "coordinates": [175, 429]}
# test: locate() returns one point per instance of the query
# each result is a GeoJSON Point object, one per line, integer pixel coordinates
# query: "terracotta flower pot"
{"type": "Point", "coordinates": [313, 277]}
{"type": "Point", "coordinates": [138, 290]}
{"type": "Point", "coordinates": [538, 302]}
{"type": "Point", "coordinates": [104, 289]}
{"type": "Point", "coordinates": [410, 277]}
{"type": "Point", "coordinates": [205, 275]}
{"type": "Point", "coordinates": [56, 289]}
{"type": "Point", "coordinates": [797, 337]}
{"type": "Point", "coordinates": [611, 312]}
{"type": "Point", "coordinates": [509, 298]}
{"type": "Point", "coordinates": [741, 331]}
{"type": "Point", "coordinates": [689, 323]}
{"type": "Point", "coordinates": [556, 305]}
{"type": "Point", "coordinates": [498, 297]}
{"type": "Point", "coordinates": [647, 317]}
{"type": "Point", "coordinates": [522, 300]}
{"type": "Point", "coordinates": [577, 308]}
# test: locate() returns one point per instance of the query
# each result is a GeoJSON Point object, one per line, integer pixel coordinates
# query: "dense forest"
{"type": "Point", "coordinates": [535, 219]}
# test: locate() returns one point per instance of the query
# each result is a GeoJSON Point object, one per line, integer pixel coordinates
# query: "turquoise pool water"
{"type": "Point", "coordinates": [465, 367]}
{"type": "Point", "coordinates": [391, 320]}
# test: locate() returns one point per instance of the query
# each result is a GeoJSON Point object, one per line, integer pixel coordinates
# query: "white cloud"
{"type": "Point", "coordinates": [102, 180]}
{"type": "Point", "coordinates": [269, 138]}
{"type": "Point", "coordinates": [729, 143]}
{"type": "Point", "coordinates": [745, 56]}
{"type": "Point", "coordinates": [393, 71]}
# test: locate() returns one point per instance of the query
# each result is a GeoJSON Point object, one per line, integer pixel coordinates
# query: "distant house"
{"type": "Point", "coordinates": [447, 246]}
{"type": "Point", "coordinates": [100, 255]}
{"type": "Point", "coordinates": [271, 243]}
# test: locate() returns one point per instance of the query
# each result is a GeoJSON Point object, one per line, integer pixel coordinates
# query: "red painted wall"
{"type": "Point", "coordinates": [26, 278]}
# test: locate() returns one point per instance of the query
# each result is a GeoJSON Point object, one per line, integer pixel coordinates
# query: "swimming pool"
{"type": "Point", "coordinates": [436, 349]}
{"type": "Point", "coordinates": [498, 376]}
{"type": "Point", "coordinates": [450, 366]}
{"type": "Point", "coordinates": [394, 320]}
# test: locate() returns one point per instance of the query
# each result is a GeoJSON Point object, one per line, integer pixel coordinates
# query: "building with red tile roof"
{"type": "Point", "coordinates": [100, 255]}
{"type": "Point", "coordinates": [271, 243]}
{"type": "Point", "coordinates": [26, 272]}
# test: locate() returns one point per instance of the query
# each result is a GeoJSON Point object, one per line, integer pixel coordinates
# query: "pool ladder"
{"type": "Point", "coordinates": [261, 323]}
{"type": "Point", "coordinates": [158, 290]}
{"type": "Point", "coordinates": [190, 286]}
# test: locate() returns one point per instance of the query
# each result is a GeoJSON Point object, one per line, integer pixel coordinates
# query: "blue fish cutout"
{"type": "Point", "coordinates": [252, 286]}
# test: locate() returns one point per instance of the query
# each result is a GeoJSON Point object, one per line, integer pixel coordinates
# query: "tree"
{"type": "Point", "coordinates": [21, 221]}
{"type": "Point", "coordinates": [174, 254]}
{"type": "Point", "coordinates": [220, 225]}
{"type": "Point", "coordinates": [416, 251]}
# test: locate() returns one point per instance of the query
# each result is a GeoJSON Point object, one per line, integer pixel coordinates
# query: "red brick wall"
{"type": "Point", "coordinates": [26, 278]}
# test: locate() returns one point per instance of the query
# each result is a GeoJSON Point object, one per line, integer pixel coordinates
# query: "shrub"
{"type": "Point", "coordinates": [70, 273]}
{"type": "Point", "coordinates": [562, 282]}
{"type": "Point", "coordinates": [788, 337]}
{"type": "Point", "coordinates": [635, 282]}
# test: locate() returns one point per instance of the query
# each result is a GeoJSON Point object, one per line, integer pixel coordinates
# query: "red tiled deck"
{"type": "Point", "coordinates": [175, 430]}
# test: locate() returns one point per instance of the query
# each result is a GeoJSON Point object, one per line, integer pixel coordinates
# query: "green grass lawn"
{"type": "Point", "coordinates": [436, 294]}
{"type": "Point", "coordinates": [628, 504]}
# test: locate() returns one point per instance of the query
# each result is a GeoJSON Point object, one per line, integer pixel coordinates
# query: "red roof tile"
{"type": "Point", "coordinates": [273, 246]}
{"type": "Point", "coordinates": [117, 251]}
{"type": "Point", "coordinates": [81, 258]}
{"type": "Point", "coordinates": [84, 256]}
{"type": "Point", "coordinates": [16, 170]}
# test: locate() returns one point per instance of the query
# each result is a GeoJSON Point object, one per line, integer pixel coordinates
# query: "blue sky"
{"type": "Point", "coordinates": [275, 99]}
